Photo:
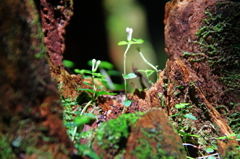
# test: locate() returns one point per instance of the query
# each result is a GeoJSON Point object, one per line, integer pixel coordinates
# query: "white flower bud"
{"type": "Point", "coordinates": [129, 31]}
{"type": "Point", "coordinates": [93, 64]}
{"type": "Point", "coordinates": [93, 61]}
{"type": "Point", "coordinates": [98, 63]}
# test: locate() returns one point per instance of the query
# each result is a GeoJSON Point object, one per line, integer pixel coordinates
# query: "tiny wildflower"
{"type": "Point", "coordinates": [129, 31]}
{"type": "Point", "coordinates": [94, 67]}
{"type": "Point", "coordinates": [93, 64]}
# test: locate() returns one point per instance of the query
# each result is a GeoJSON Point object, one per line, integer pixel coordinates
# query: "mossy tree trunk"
{"type": "Point", "coordinates": [30, 108]}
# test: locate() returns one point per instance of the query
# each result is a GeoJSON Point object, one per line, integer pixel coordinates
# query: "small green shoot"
{"type": "Point", "coordinates": [129, 42]}
{"type": "Point", "coordinates": [83, 118]}
{"type": "Point", "coordinates": [148, 73]}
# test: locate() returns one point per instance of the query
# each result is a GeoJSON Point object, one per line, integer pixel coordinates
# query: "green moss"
{"type": "Point", "coordinates": [219, 40]}
{"type": "Point", "coordinates": [5, 148]}
{"type": "Point", "coordinates": [146, 150]}
{"type": "Point", "coordinates": [231, 152]}
{"type": "Point", "coordinates": [162, 99]}
{"type": "Point", "coordinates": [36, 32]}
{"type": "Point", "coordinates": [234, 120]}
{"type": "Point", "coordinates": [113, 134]}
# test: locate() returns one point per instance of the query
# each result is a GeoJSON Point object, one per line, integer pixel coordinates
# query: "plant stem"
{"type": "Point", "coordinates": [86, 106]}
{"type": "Point", "coordinates": [124, 107]}
{"type": "Point", "coordinates": [75, 129]}
{"type": "Point", "coordinates": [148, 62]}
{"type": "Point", "coordinates": [124, 71]}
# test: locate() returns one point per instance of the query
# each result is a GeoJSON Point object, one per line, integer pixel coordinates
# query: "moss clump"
{"type": "Point", "coordinates": [112, 135]}
{"type": "Point", "coordinates": [234, 120]}
{"type": "Point", "coordinates": [145, 149]}
{"type": "Point", "coordinates": [5, 148]}
{"type": "Point", "coordinates": [220, 42]}
{"type": "Point", "coordinates": [231, 152]}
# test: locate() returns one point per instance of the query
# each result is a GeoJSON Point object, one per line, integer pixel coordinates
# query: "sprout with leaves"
{"type": "Point", "coordinates": [129, 42]}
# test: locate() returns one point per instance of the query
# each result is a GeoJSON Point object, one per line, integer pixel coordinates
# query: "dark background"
{"type": "Point", "coordinates": [88, 25]}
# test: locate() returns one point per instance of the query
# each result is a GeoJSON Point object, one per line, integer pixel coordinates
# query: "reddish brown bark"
{"type": "Point", "coordinates": [200, 84]}
{"type": "Point", "coordinates": [30, 108]}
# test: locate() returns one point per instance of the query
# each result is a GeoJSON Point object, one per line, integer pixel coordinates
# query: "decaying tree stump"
{"type": "Point", "coordinates": [202, 41]}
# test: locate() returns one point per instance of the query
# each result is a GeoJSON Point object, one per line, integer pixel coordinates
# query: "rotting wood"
{"type": "Point", "coordinates": [184, 79]}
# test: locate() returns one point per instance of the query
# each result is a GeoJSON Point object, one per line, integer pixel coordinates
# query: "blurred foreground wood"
{"type": "Point", "coordinates": [31, 123]}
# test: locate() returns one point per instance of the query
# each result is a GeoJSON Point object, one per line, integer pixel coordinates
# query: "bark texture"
{"type": "Point", "coordinates": [30, 108]}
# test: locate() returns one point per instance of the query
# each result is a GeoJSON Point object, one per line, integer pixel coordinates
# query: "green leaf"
{"type": "Point", "coordinates": [228, 137]}
{"type": "Point", "coordinates": [99, 75]}
{"type": "Point", "coordinates": [82, 71]}
{"type": "Point", "coordinates": [118, 86]}
{"type": "Point", "coordinates": [209, 150]}
{"type": "Point", "coordinates": [222, 137]}
{"type": "Point", "coordinates": [106, 65]}
{"type": "Point", "coordinates": [174, 115]}
{"type": "Point", "coordinates": [88, 84]}
{"type": "Point", "coordinates": [113, 73]}
{"type": "Point", "coordinates": [127, 103]}
{"type": "Point", "coordinates": [190, 116]}
{"type": "Point", "coordinates": [104, 93]}
{"type": "Point", "coordinates": [139, 41]}
{"type": "Point", "coordinates": [181, 105]}
{"type": "Point", "coordinates": [84, 119]}
{"type": "Point", "coordinates": [130, 76]}
{"type": "Point", "coordinates": [87, 151]}
{"type": "Point", "coordinates": [69, 64]}
{"type": "Point", "coordinates": [122, 43]}
{"type": "Point", "coordinates": [88, 90]}
{"type": "Point", "coordinates": [187, 134]}
{"type": "Point", "coordinates": [90, 115]}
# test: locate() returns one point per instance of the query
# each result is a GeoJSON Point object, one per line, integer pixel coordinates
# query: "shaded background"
{"type": "Point", "coordinates": [97, 27]}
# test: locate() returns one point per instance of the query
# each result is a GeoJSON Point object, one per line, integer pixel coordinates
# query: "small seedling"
{"type": "Point", "coordinates": [85, 117]}
{"type": "Point", "coordinates": [129, 42]}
